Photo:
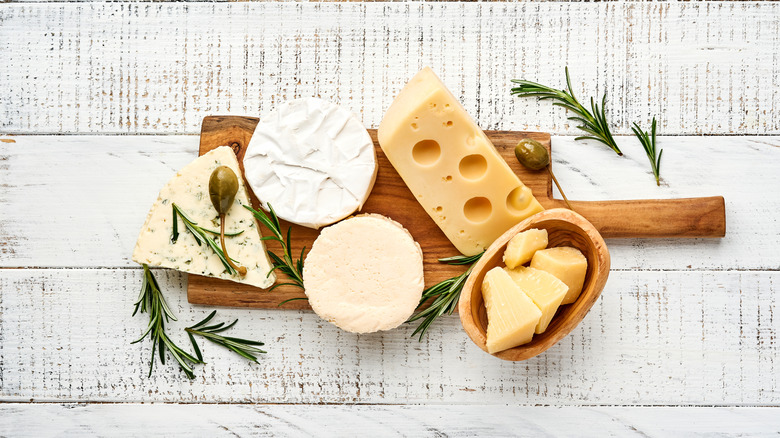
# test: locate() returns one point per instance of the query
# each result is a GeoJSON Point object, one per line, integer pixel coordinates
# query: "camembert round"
{"type": "Point", "coordinates": [312, 160]}
{"type": "Point", "coordinates": [364, 274]}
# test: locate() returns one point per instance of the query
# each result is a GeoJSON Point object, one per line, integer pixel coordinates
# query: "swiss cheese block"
{"type": "Point", "coordinates": [544, 289]}
{"type": "Point", "coordinates": [364, 274]}
{"type": "Point", "coordinates": [312, 160]}
{"type": "Point", "coordinates": [566, 263]}
{"type": "Point", "coordinates": [512, 315]}
{"type": "Point", "coordinates": [451, 166]}
{"type": "Point", "coordinates": [189, 190]}
{"type": "Point", "coordinates": [522, 247]}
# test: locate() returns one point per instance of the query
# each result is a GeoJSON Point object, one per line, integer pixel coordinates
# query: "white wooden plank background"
{"type": "Point", "coordinates": [383, 421]}
{"type": "Point", "coordinates": [680, 323]}
{"type": "Point", "coordinates": [702, 68]}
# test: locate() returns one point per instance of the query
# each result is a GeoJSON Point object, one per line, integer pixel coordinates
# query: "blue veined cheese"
{"type": "Point", "coordinates": [189, 190]}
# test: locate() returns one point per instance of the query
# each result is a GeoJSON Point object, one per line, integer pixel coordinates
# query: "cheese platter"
{"type": "Point", "coordinates": [391, 225]}
{"type": "Point", "coordinates": [689, 217]}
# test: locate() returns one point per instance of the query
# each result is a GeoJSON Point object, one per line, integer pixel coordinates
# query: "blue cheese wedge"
{"type": "Point", "coordinates": [189, 190]}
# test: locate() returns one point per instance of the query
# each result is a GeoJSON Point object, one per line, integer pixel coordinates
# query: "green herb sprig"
{"type": "Point", "coordinates": [593, 122]}
{"type": "Point", "coordinates": [445, 295]}
{"type": "Point", "coordinates": [243, 347]}
{"type": "Point", "coordinates": [201, 234]}
{"type": "Point", "coordinates": [648, 143]}
{"type": "Point", "coordinates": [152, 301]}
{"type": "Point", "coordinates": [285, 264]}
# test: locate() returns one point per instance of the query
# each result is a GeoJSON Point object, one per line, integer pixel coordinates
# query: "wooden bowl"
{"type": "Point", "coordinates": [564, 228]}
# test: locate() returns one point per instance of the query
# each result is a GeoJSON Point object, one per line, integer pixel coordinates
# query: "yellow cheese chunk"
{"type": "Point", "coordinates": [512, 316]}
{"type": "Point", "coordinates": [566, 263]}
{"type": "Point", "coordinates": [451, 166]}
{"type": "Point", "coordinates": [543, 288]}
{"type": "Point", "coordinates": [522, 247]}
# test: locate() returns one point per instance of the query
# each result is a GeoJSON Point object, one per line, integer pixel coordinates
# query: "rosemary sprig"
{"type": "Point", "coordinates": [648, 143]}
{"type": "Point", "coordinates": [200, 234]}
{"type": "Point", "coordinates": [445, 294]}
{"type": "Point", "coordinates": [152, 301]}
{"type": "Point", "coordinates": [285, 264]}
{"type": "Point", "coordinates": [593, 122]}
{"type": "Point", "coordinates": [243, 347]}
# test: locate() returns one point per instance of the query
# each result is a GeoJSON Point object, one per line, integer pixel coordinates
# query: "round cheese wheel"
{"type": "Point", "coordinates": [364, 274]}
{"type": "Point", "coordinates": [312, 160]}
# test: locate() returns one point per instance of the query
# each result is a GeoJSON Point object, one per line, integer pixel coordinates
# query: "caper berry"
{"type": "Point", "coordinates": [531, 154]}
{"type": "Point", "coordinates": [223, 186]}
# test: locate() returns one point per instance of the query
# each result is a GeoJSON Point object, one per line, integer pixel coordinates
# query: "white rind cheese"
{"type": "Point", "coordinates": [313, 161]}
{"type": "Point", "coordinates": [189, 190]}
{"type": "Point", "coordinates": [364, 274]}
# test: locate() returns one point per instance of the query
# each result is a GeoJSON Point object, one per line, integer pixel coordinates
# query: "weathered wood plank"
{"type": "Point", "coordinates": [29, 420]}
{"type": "Point", "coordinates": [654, 338]}
{"type": "Point", "coordinates": [701, 67]}
{"type": "Point", "coordinates": [79, 201]}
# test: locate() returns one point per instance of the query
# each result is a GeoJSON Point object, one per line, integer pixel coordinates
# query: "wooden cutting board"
{"type": "Point", "coordinates": [691, 217]}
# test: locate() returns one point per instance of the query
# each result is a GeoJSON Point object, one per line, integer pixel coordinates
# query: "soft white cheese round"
{"type": "Point", "coordinates": [364, 274]}
{"type": "Point", "coordinates": [312, 160]}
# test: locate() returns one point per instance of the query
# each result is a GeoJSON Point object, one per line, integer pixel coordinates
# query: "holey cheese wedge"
{"type": "Point", "coordinates": [189, 190]}
{"type": "Point", "coordinates": [364, 274]}
{"type": "Point", "coordinates": [451, 166]}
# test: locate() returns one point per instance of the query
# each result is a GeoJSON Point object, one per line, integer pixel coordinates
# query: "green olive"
{"type": "Point", "coordinates": [223, 186]}
{"type": "Point", "coordinates": [531, 154]}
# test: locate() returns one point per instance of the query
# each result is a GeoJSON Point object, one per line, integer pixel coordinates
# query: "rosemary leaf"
{"type": "Point", "coordinates": [648, 143]}
{"type": "Point", "coordinates": [284, 263]}
{"type": "Point", "coordinates": [291, 299]}
{"type": "Point", "coordinates": [593, 122]}
{"type": "Point", "coordinates": [152, 301]}
{"type": "Point", "coordinates": [201, 235]}
{"type": "Point", "coordinates": [445, 294]}
{"type": "Point", "coordinates": [243, 347]}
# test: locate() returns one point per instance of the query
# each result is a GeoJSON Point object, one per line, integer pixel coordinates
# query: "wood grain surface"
{"type": "Point", "coordinates": [653, 338]}
{"type": "Point", "coordinates": [95, 97]}
{"type": "Point", "coordinates": [693, 217]}
{"type": "Point", "coordinates": [703, 68]}
{"type": "Point", "coordinates": [447, 420]}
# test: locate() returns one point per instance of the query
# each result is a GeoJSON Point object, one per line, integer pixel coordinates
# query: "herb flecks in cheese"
{"type": "Point", "coordinates": [313, 161]}
{"type": "Point", "coordinates": [189, 190]}
{"type": "Point", "coordinates": [364, 274]}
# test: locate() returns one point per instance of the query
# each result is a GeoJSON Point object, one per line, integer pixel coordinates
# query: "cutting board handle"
{"type": "Point", "coordinates": [687, 217]}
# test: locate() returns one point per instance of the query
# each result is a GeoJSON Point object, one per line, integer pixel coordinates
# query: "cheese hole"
{"type": "Point", "coordinates": [447, 178]}
{"type": "Point", "coordinates": [426, 152]}
{"type": "Point", "coordinates": [473, 167]}
{"type": "Point", "coordinates": [447, 124]}
{"type": "Point", "coordinates": [439, 209]}
{"type": "Point", "coordinates": [414, 126]}
{"type": "Point", "coordinates": [518, 199]}
{"type": "Point", "coordinates": [477, 209]}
